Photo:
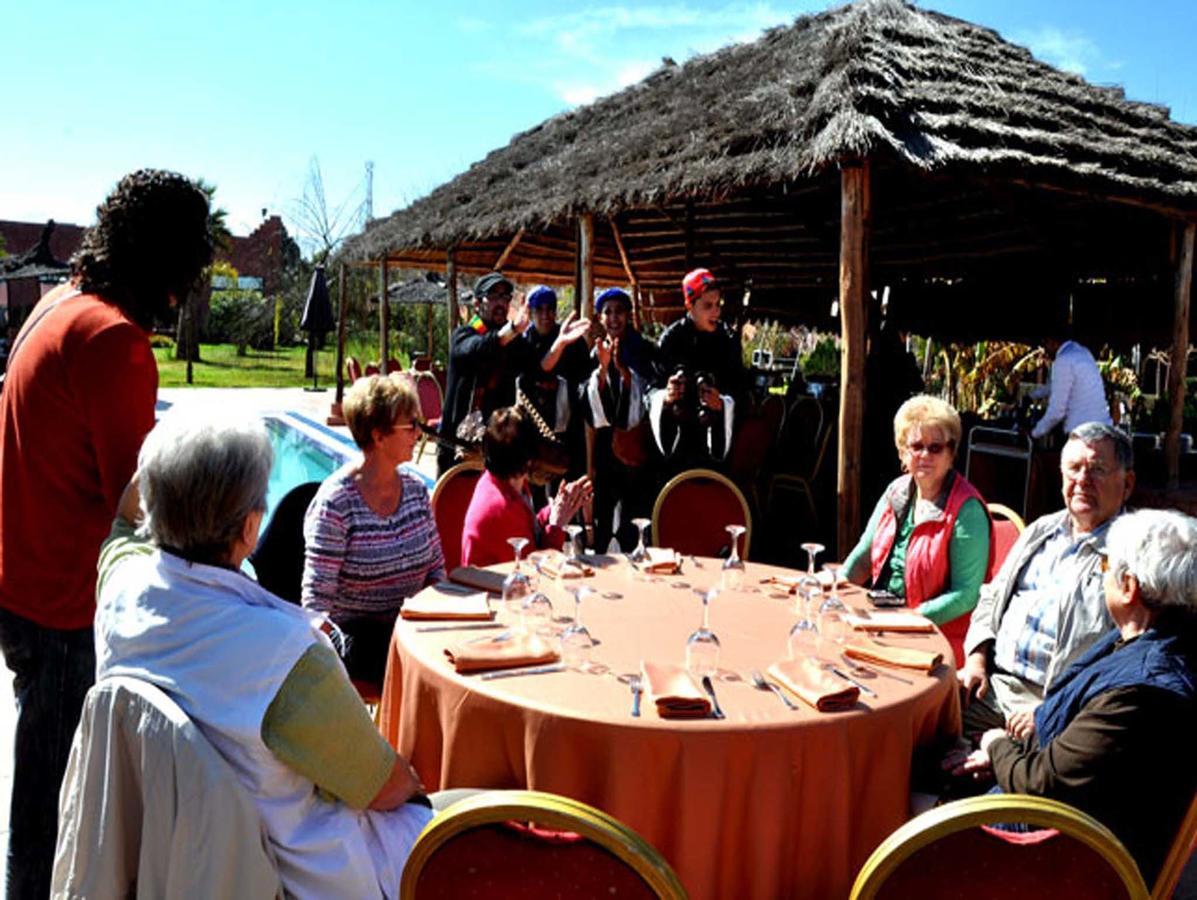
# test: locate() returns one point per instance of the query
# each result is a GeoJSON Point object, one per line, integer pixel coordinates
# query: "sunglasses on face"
{"type": "Point", "coordinates": [933, 449]}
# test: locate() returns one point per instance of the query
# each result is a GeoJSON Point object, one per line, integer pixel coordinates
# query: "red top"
{"type": "Point", "coordinates": [77, 402]}
{"type": "Point", "coordinates": [498, 512]}
{"type": "Point", "coordinates": [928, 554]}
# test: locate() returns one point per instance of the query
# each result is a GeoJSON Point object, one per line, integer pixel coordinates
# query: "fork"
{"type": "Point", "coordinates": [759, 681]}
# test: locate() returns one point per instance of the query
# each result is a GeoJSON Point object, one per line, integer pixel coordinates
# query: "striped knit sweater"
{"type": "Point", "coordinates": [357, 562]}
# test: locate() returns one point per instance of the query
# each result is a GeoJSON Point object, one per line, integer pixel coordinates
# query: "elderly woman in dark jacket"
{"type": "Point", "coordinates": [1115, 733]}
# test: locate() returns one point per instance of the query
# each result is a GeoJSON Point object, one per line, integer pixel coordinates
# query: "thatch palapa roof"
{"type": "Point", "coordinates": [986, 162]}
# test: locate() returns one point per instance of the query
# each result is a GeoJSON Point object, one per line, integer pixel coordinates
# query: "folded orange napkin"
{"type": "Point", "coordinates": [863, 647]}
{"type": "Point", "coordinates": [492, 653]}
{"type": "Point", "coordinates": [815, 685]}
{"type": "Point", "coordinates": [891, 621]}
{"type": "Point", "coordinates": [479, 579]}
{"type": "Point", "coordinates": [662, 561]}
{"type": "Point", "coordinates": [434, 603]}
{"type": "Point", "coordinates": [675, 691]}
{"type": "Point", "coordinates": [554, 565]}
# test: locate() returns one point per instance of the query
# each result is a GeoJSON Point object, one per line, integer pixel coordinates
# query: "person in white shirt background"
{"type": "Point", "coordinates": [1076, 393]}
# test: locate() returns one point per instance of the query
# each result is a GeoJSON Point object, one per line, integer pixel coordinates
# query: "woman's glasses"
{"type": "Point", "coordinates": [931, 449]}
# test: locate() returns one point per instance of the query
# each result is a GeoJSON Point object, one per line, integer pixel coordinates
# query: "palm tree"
{"type": "Point", "coordinates": [193, 312]}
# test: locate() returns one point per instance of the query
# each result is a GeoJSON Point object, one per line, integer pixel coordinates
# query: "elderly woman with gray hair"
{"type": "Point", "coordinates": [1115, 733]}
{"type": "Point", "coordinates": [256, 674]}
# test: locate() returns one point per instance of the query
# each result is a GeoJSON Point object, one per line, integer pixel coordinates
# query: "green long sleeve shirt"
{"type": "Point", "coordinates": [968, 560]}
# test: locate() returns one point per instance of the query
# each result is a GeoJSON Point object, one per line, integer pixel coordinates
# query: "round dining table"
{"type": "Point", "coordinates": [768, 802]}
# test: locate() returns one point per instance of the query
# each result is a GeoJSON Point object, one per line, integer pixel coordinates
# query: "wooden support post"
{"type": "Point", "coordinates": [384, 322]}
{"type": "Point", "coordinates": [334, 414]}
{"type": "Point", "coordinates": [450, 300]}
{"type": "Point", "coordinates": [855, 221]}
{"type": "Point", "coordinates": [585, 303]}
{"type": "Point", "coordinates": [507, 251]}
{"type": "Point", "coordinates": [428, 329]}
{"type": "Point", "coordinates": [633, 282]}
{"type": "Point", "coordinates": [1180, 354]}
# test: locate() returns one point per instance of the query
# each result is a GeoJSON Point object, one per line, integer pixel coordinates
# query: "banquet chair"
{"type": "Point", "coordinates": [432, 401]}
{"type": "Point", "coordinates": [693, 510]}
{"type": "Point", "coordinates": [1183, 846]}
{"type": "Point", "coordinates": [450, 499]}
{"type": "Point", "coordinates": [150, 809]}
{"type": "Point", "coordinates": [802, 446]}
{"type": "Point", "coordinates": [1007, 526]}
{"type": "Point", "coordinates": [950, 851]}
{"type": "Point", "coordinates": [756, 435]}
{"type": "Point", "coordinates": [278, 558]}
{"type": "Point", "coordinates": [353, 369]}
{"type": "Point", "coordinates": [529, 844]}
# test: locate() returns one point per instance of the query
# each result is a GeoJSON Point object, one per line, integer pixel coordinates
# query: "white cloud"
{"type": "Point", "coordinates": [606, 48]}
{"type": "Point", "coordinates": [1070, 51]}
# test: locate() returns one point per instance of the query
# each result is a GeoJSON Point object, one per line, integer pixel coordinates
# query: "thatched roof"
{"type": "Point", "coordinates": [36, 262]}
{"type": "Point", "coordinates": [878, 78]}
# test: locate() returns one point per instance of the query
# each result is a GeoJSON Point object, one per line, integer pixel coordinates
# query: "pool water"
{"type": "Point", "coordinates": [299, 457]}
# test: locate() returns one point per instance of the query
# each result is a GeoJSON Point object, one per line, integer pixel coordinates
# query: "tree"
{"type": "Point", "coordinates": [318, 227]}
{"type": "Point", "coordinates": [194, 309]}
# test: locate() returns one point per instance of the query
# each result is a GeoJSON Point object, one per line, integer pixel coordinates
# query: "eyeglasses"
{"type": "Point", "coordinates": [1076, 471]}
{"type": "Point", "coordinates": [410, 426]}
{"type": "Point", "coordinates": [933, 449]}
{"type": "Point", "coordinates": [498, 295]}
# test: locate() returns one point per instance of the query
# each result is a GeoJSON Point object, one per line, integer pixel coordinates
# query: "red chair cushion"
{"type": "Point", "coordinates": [450, 512]}
{"type": "Point", "coordinates": [1005, 533]}
{"type": "Point", "coordinates": [513, 861]}
{"type": "Point", "coordinates": [430, 398]}
{"type": "Point", "coordinates": [984, 862]}
{"type": "Point", "coordinates": [694, 517]}
{"type": "Point", "coordinates": [353, 369]}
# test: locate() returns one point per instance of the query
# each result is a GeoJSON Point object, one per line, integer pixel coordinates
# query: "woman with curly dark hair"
{"type": "Point", "coordinates": [77, 400]}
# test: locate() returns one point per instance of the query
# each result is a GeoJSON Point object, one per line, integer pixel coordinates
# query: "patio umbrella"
{"type": "Point", "coordinates": [317, 319]}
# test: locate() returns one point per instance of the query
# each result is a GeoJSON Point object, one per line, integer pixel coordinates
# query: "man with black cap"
{"type": "Point", "coordinates": [701, 374]}
{"type": "Point", "coordinates": [483, 360]}
{"type": "Point", "coordinates": [613, 397]}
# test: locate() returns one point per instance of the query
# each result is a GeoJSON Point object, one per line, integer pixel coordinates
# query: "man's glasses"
{"type": "Point", "coordinates": [933, 449]}
{"type": "Point", "coordinates": [1076, 471]}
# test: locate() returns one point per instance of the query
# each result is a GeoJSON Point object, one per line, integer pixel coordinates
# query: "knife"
{"type": "Point", "coordinates": [710, 689]}
{"type": "Point", "coordinates": [473, 627]}
{"type": "Point", "coordinates": [535, 670]}
{"type": "Point", "coordinates": [850, 680]}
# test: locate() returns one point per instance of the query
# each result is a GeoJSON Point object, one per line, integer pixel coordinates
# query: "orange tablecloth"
{"type": "Point", "coordinates": [768, 803]}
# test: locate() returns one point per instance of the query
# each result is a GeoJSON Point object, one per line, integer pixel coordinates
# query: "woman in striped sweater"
{"type": "Point", "coordinates": [370, 538]}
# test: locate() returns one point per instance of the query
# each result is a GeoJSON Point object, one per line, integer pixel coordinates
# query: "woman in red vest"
{"type": "Point", "coordinates": [928, 540]}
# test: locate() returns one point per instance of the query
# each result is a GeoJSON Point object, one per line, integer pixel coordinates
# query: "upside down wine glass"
{"type": "Point", "coordinates": [640, 554]}
{"type": "Point", "coordinates": [733, 566]}
{"type": "Point", "coordinates": [516, 586]}
{"type": "Point", "coordinates": [804, 636]}
{"type": "Point", "coordinates": [573, 551]}
{"type": "Point", "coordinates": [812, 552]}
{"type": "Point", "coordinates": [833, 626]}
{"type": "Point", "coordinates": [537, 607]}
{"type": "Point", "coordinates": [576, 640]}
{"type": "Point", "coordinates": [702, 648]}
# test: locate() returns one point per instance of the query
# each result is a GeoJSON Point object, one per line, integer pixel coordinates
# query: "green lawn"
{"type": "Point", "coordinates": [220, 366]}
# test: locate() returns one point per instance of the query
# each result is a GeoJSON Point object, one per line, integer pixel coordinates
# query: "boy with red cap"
{"type": "Point", "coordinates": [693, 410]}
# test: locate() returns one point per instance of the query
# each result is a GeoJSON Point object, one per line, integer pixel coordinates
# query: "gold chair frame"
{"type": "Point", "coordinates": [989, 809]}
{"type": "Point", "coordinates": [1006, 512]}
{"type": "Point", "coordinates": [1182, 848]}
{"type": "Point", "coordinates": [417, 376]}
{"type": "Point", "coordinates": [466, 465]}
{"type": "Point", "coordinates": [711, 475]}
{"type": "Point", "coordinates": [549, 810]}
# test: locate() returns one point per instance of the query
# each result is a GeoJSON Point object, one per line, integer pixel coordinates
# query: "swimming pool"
{"type": "Point", "coordinates": [306, 450]}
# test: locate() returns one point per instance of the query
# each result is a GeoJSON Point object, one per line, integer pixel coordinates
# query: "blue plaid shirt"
{"type": "Point", "coordinates": [1026, 637]}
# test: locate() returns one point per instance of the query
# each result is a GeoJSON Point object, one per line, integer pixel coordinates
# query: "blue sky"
{"type": "Point", "coordinates": [246, 94]}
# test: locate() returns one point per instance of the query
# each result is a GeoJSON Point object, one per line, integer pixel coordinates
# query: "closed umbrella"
{"type": "Point", "coordinates": [317, 320]}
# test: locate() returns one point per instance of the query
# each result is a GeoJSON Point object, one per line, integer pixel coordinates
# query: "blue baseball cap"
{"type": "Point", "coordinates": [542, 296]}
{"type": "Point", "coordinates": [613, 293]}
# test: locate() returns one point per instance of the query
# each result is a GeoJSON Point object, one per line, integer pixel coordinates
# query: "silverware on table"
{"type": "Point", "coordinates": [872, 670]}
{"type": "Point", "coordinates": [761, 684]}
{"type": "Point", "coordinates": [848, 678]}
{"type": "Point", "coordinates": [716, 711]}
{"type": "Point", "coordinates": [494, 638]}
{"type": "Point", "coordinates": [534, 670]}
{"type": "Point", "coordinates": [637, 690]}
{"type": "Point", "coordinates": [475, 626]}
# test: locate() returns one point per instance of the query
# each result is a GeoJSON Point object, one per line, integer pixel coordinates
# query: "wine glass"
{"type": "Point", "coordinates": [576, 640]}
{"type": "Point", "coordinates": [516, 586]}
{"type": "Point", "coordinates": [804, 636]}
{"type": "Point", "coordinates": [733, 566]}
{"type": "Point", "coordinates": [833, 622]}
{"type": "Point", "coordinates": [812, 552]}
{"type": "Point", "coordinates": [538, 614]}
{"type": "Point", "coordinates": [572, 552]}
{"type": "Point", "coordinates": [702, 647]}
{"type": "Point", "coordinates": [640, 554]}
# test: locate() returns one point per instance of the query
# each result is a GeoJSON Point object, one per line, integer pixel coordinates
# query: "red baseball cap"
{"type": "Point", "coordinates": [695, 284]}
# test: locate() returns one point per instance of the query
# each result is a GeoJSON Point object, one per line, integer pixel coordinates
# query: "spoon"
{"type": "Point", "coordinates": [761, 684]}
